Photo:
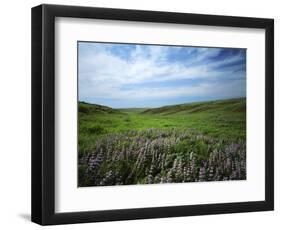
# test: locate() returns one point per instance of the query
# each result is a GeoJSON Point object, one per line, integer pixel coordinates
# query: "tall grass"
{"type": "Point", "coordinates": [158, 155]}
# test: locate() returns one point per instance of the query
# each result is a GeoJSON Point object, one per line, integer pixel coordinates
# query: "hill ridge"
{"type": "Point", "coordinates": [235, 105]}
{"type": "Point", "coordinates": [84, 107]}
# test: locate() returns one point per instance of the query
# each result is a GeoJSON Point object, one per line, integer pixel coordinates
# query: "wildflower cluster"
{"type": "Point", "coordinates": [161, 156]}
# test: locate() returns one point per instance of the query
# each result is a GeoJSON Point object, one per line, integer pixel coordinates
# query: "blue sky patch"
{"type": "Point", "coordinates": [137, 76]}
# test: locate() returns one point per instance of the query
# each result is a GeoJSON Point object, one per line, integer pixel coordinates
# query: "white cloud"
{"type": "Point", "coordinates": [104, 75]}
{"type": "Point", "coordinates": [216, 89]}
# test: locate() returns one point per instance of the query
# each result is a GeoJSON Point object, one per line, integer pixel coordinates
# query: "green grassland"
{"type": "Point", "coordinates": [203, 141]}
{"type": "Point", "coordinates": [225, 119]}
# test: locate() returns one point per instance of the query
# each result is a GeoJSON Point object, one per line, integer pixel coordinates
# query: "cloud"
{"type": "Point", "coordinates": [145, 72]}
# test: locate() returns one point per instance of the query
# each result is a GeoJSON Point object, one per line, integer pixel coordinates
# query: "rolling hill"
{"type": "Point", "coordinates": [151, 145]}
{"type": "Point", "coordinates": [221, 118]}
{"type": "Point", "coordinates": [88, 108]}
{"type": "Point", "coordinates": [231, 105]}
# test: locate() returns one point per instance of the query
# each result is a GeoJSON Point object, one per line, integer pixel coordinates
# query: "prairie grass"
{"type": "Point", "coordinates": [203, 141]}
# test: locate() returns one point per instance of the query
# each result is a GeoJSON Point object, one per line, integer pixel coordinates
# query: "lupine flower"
{"type": "Point", "coordinates": [150, 156]}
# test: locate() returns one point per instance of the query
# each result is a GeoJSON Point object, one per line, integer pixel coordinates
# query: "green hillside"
{"type": "Point", "coordinates": [203, 141]}
{"type": "Point", "coordinates": [87, 108]}
{"type": "Point", "coordinates": [231, 105]}
{"type": "Point", "coordinates": [221, 118]}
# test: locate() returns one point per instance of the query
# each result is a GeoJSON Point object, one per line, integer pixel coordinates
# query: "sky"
{"type": "Point", "coordinates": [141, 76]}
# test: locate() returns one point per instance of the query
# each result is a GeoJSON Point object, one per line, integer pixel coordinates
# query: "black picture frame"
{"type": "Point", "coordinates": [43, 114]}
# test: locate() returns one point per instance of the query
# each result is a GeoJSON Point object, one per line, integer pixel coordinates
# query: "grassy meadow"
{"type": "Point", "coordinates": [202, 141]}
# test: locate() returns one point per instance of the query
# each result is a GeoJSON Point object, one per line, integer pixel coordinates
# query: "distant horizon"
{"type": "Point", "coordinates": [219, 99]}
{"type": "Point", "coordinates": [149, 76]}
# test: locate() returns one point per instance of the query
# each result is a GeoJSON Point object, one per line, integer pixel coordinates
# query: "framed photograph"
{"type": "Point", "coordinates": [142, 114]}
